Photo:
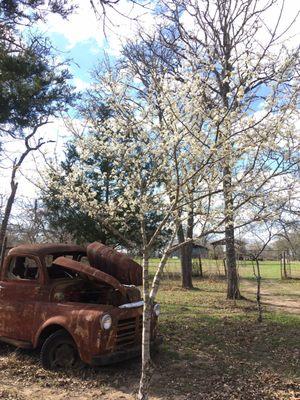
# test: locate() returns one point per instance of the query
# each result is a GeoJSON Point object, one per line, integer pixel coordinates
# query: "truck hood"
{"type": "Point", "coordinates": [92, 273]}
{"type": "Point", "coordinates": [114, 264]}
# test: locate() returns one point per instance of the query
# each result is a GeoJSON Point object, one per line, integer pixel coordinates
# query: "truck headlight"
{"type": "Point", "coordinates": [106, 322]}
{"type": "Point", "coordinates": [156, 309]}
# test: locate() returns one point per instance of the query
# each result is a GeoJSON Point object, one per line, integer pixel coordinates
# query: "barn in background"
{"type": "Point", "coordinates": [199, 250]}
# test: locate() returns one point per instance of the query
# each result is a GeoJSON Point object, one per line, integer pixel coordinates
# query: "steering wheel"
{"type": "Point", "coordinates": [67, 274]}
{"type": "Point", "coordinates": [59, 273]}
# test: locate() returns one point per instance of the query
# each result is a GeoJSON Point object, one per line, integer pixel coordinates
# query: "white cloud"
{"type": "Point", "coordinates": [286, 23]}
{"type": "Point", "coordinates": [28, 176]}
{"type": "Point", "coordinates": [83, 26]}
{"type": "Point", "coordinates": [289, 16]}
{"type": "Point", "coordinates": [81, 84]}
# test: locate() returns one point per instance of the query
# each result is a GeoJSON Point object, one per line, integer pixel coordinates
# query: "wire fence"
{"type": "Point", "coordinates": [270, 269]}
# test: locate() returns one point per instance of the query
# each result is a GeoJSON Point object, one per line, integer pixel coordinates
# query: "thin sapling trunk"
{"type": "Point", "coordinates": [256, 271]}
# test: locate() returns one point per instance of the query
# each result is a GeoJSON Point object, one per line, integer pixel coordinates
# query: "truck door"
{"type": "Point", "coordinates": [20, 291]}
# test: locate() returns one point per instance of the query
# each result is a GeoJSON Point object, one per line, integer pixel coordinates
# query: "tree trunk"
{"type": "Point", "coordinates": [285, 275]}
{"type": "Point", "coordinates": [233, 291]}
{"type": "Point", "coordinates": [7, 212]}
{"type": "Point", "coordinates": [186, 255]}
{"type": "Point", "coordinates": [200, 267]}
{"type": "Point", "coordinates": [186, 266]}
{"type": "Point", "coordinates": [147, 368]}
{"type": "Point", "coordinates": [225, 267]}
{"type": "Point", "coordinates": [2, 255]}
{"type": "Point", "coordinates": [185, 260]}
{"type": "Point", "coordinates": [146, 356]}
{"type": "Point", "coordinates": [258, 292]}
{"type": "Point", "coordinates": [14, 184]}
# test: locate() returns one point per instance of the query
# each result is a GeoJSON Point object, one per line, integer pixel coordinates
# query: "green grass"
{"type": "Point", "coordinates": [269, 269]}
{"type": "Point", "coordinates": [223, 343]}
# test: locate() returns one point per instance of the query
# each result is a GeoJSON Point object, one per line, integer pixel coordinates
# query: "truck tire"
{"type": "Point", "coordinates": [59, 351]}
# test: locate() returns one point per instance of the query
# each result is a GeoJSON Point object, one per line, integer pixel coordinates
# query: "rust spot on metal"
{"type": "Point", "coordinates": [90, 272]}
{"type": "Point", "coordinates": [46, 249]}
{"type": "Point", "coordinates": [114, 263]}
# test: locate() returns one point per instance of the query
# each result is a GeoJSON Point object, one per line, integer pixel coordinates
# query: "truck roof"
{"type": "Point", "coordinates": [46, 248]}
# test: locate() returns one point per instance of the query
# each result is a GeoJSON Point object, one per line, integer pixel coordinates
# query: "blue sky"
{"type": "Point", "coordinates": [83, 55]}
{"type": "Point", "coordinates": [81, 38]}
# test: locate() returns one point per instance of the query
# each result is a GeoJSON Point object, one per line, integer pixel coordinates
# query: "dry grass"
{"type": "Point", "coordinates": [214, 349]}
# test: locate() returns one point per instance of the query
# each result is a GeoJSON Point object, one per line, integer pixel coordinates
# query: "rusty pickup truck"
{"type": "Point", "coordinates": [73, 303]}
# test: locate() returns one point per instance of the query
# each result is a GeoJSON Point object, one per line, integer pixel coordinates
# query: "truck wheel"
{"type": "Point", "coordinates": [59, 351]}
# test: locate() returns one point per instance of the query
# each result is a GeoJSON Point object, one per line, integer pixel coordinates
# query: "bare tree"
{"type": "Point", "coordinates": [16, 165]}
{"type": "Point", "coordinates": [262, 242]}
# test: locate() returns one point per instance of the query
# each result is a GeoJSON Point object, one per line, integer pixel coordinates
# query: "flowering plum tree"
{"type": "Point", "coordinates": [154, 164]}
{"type": "Point", "coordinates": [249, 77]}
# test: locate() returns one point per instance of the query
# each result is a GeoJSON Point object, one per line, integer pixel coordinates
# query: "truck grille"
{"type": "Point", "coordinates": [129, 332]}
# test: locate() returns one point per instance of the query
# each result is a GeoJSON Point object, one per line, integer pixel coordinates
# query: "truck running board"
{"type": "Point", "coordinates": [17, 343]}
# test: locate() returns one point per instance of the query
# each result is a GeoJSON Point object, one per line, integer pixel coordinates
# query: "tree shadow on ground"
{"type": "Point", "coordinates": [213, 350]}
{"type": "Point", "coordinates": [224, 358]}
{"type": "Point", "coordinates": [203, 357]}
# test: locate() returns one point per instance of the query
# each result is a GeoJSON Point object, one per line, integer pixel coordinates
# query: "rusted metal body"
{"type": "Point", "coordinates": [67, 294]}
{"type": "Point", "coordinates": [91, 273]}
{"type": "Point", "coordinates": [116, 264]}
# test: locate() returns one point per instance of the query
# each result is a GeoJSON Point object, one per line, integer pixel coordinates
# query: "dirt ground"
{"type": "Point", "coordinates": [213, 350]}
{"type": "Point", "coordinates": [279, 296]}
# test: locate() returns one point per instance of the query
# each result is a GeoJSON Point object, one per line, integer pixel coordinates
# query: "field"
{"type": "Point", "coordinates": [269, 269]}
{"type": "Point", "coordinates": [213, 349]}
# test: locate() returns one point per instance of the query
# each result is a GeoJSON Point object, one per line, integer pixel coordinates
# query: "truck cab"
{"type": "Point", "coordinates": [74, 303]}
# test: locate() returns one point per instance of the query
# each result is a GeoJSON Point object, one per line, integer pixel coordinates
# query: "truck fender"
{"type": "Point", "coordinates": [59, 321]}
